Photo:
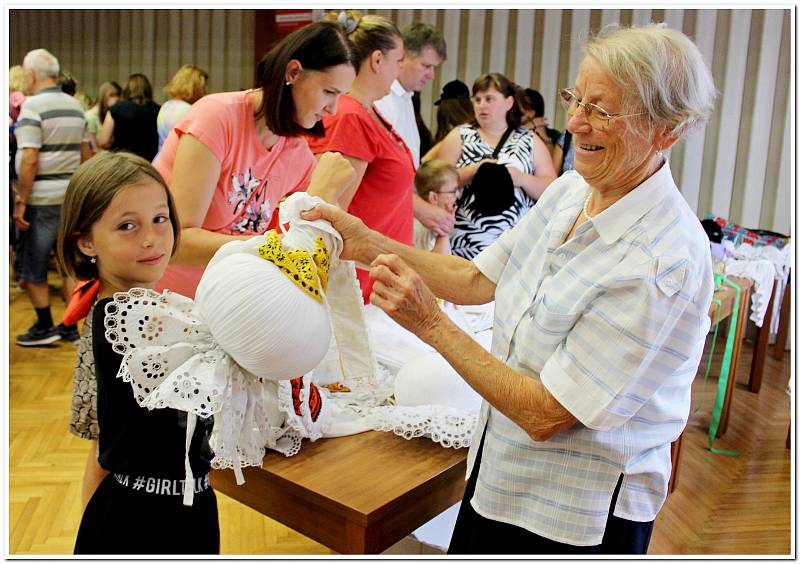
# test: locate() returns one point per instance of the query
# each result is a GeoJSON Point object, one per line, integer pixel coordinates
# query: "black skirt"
{"type": "Point", "coordinates": [120, 520]}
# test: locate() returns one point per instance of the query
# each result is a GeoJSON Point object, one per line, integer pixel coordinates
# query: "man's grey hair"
{"type": "Point", "coordinates": [43, 63]}
{"type": "Point", "coordinates": [661, 73]}
{"type": "Point", "coordinates": [419, 35]}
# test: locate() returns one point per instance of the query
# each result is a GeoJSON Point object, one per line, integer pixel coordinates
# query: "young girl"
{"type": "Point", "coordinates": [118, 226]}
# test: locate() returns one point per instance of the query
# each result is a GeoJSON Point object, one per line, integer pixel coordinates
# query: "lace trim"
{"type": "Point", "coordinates": [447, 426]}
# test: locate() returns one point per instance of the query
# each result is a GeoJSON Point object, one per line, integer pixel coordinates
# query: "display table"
{"type": "Point", "coordinates": [726, 296]}
{"type": "Point", "coordinates": [356, 495]}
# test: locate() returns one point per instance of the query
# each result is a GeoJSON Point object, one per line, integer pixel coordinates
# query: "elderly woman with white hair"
{"type": "Point", "coordinates": [601, 309]}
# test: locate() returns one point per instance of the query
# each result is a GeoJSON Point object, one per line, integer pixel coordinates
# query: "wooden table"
{"type": "Point", "coordinates": [356, 495]}
{"type": "Point", "coordinates": [726, 297]}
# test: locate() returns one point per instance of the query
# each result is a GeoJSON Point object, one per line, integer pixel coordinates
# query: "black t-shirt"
{"type": "Point", "coordinates": [133, 439]}
{"type": "Point", "coordinates": [135, 128]}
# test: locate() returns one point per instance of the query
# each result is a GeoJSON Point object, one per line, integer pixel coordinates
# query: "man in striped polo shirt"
{"type": "Point", "coordinates": [52, 141]}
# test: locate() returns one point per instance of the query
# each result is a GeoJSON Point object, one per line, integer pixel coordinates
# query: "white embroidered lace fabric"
{"type": "Point", "coordinates": [186, 370]}
{"type": "Point", "coordinates": [374, 407]}
{"type": "Point", "coordinates": [447, 426]}
{"type": "Point", "coordinates": [763, 265]}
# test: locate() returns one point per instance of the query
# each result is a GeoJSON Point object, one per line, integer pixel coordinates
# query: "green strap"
{"type": "Point", "coordinates": [724, 372]}
{"type": "Point", "coordinates": [718, 303]}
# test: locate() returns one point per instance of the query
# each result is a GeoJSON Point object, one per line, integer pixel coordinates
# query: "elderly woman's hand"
{"type": "Point", "coordinates": [332, 176]}
{"type": "Point", "coordinates": [359, 243]}
{"type": "Point", "coordinates": [400, 292]}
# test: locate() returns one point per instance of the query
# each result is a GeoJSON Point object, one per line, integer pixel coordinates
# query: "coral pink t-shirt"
{"type": "Point", "coordinates": [384, 199]}
{"type": "Point", "coordinates": [252, 179]}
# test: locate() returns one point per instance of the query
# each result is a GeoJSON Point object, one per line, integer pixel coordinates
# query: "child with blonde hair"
{"type": "Point", "coordinates": [436, 182]}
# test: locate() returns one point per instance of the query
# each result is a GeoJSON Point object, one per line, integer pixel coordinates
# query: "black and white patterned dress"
{"type": "Point", "coordinates": [83, 421]}
{"type": "Point", "coordinates": [473, 232]}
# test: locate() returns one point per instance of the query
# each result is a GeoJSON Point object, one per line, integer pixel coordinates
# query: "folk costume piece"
{"type": "Point", "coordinates": [261, 320]}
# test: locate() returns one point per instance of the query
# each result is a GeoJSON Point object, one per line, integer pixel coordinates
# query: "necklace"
{"type": "Point", "coordinates": [586, 215]}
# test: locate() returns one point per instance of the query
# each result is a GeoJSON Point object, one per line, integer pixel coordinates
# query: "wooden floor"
{"type": "Point", "coordinates": [723, 505]}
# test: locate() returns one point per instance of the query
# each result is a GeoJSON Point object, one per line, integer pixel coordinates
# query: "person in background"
{"type": "Point", "coordinates": [52, 141]}
{"type": "Point", "coordinates": [85, 101]}
{"type": "Point", "coordinates": [524, 155]}
{"type": "Point", "coordinates": [130, 124]}
{"type": "Point", "coordinates": [534, 119]}
{"type": "Point", "coordinates": [108, 94]}
{"type": "Point", "coordinates": [68, 83]}
{"type": "Point", "coordinates": [384, 190]}
{"type": "Point", "coordinates": [234, 155]}
{"type": "Point", "coordinates": [185, 88]}
{"type": "Point", "coordinates": [564, 153]}
{"type": "Point", "coordinates": [16, 95]}
{"type": "Point", "coordinates": [425, 136]}
{"type": "Point", "coordinates": [16, 91]}
{"type": "Point", "coordinates": [424, 49]}
{"type": "Point", "coordinates": [437, 183]}
{"type": "Point", "coordinates": [454, 108]}
{"type": "Point", "coordinates": [601, 312]}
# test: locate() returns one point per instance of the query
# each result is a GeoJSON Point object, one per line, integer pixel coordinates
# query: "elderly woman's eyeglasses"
{"type": "Point", "coordinates": [594, 114]}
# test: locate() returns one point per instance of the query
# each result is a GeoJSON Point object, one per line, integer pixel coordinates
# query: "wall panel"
{"type": "Point", "coordinates": [739, 165]}
{"type": "Point", "coordinates": [100, 45]}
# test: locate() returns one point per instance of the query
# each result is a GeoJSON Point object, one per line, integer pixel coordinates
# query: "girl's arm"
{"type": "Point", "coordinates": [93, 474]}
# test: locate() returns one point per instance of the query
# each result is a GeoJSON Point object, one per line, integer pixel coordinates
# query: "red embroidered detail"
{"type": "Point", "coordinates": [314, 399]}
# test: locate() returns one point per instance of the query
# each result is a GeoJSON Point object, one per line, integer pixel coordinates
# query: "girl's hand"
{"type": "Point", "coordinates": [332, 176]}
{"type": "Point", "coordinates": [400, 292]}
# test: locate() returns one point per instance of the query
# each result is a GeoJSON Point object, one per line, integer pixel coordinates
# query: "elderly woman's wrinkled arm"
{"type": "Point", "coordinates": [452, 278]}
{"type": "Point", "coordinates": [400, 292]}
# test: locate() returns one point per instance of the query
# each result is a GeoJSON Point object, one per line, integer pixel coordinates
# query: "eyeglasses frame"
{"type": "Point", "coordinates": [589, 108]}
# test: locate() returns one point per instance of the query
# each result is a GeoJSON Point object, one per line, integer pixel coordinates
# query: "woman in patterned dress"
{"type": "Point", "coordinates": [469, 146]}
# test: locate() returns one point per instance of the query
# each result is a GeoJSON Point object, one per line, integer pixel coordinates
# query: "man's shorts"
{"type": "Point", "coordinates": [34, 245]}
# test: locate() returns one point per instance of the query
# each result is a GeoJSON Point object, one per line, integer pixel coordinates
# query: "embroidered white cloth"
{"type": "Point", "coordinates": [231, 352]}
{"type": "Point", "coordinates": [781, 259]}
{"type": "Point", "coordinates": [762, 273]}
{"type": "Point", "coordinates": [416, 392]}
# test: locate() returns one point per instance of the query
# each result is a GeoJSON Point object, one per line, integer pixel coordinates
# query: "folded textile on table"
{"type": "Point", "coordinates": [417, 393]}
{"type": "Point", "coordinates": [762, 273]}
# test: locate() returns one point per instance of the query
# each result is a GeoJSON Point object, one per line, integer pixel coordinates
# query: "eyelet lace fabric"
{"type": "Point", "coordinates": [186, 370]}
{"type": "Point", "coordinates": [447, 426]}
